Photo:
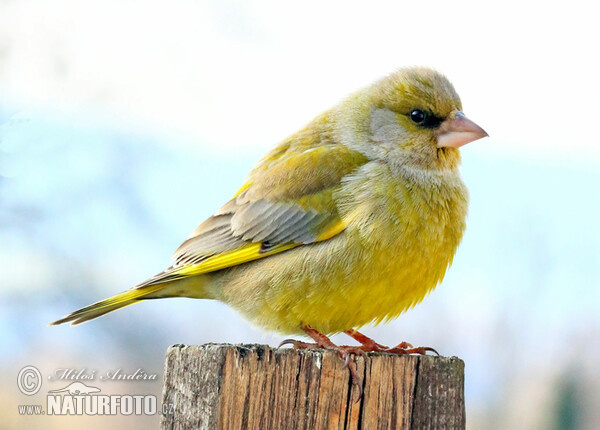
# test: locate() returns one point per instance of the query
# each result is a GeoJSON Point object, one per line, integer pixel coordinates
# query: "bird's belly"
{"type": "Point", "coordinates": [381, 284]}
{"type": "Point", "coordinates": [343, 283]}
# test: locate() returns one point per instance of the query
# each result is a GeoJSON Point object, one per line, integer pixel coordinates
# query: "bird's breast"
{"type": "Point", "coordinates": [409, 225]}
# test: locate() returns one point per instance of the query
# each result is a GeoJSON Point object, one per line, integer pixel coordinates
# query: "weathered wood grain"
{"type": "Point", "coordinates": [256, 387]}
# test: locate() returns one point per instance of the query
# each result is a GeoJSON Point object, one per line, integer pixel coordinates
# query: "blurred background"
{"type": "Point", "coordinates": [125, 124]}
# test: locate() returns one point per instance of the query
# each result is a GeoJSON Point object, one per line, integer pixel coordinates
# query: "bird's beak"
{"type": "Point", "coordinates": [458, 130]}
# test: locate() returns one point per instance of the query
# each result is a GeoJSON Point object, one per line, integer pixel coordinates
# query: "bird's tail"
{"type": "Point", "coordinates": [151, 289]}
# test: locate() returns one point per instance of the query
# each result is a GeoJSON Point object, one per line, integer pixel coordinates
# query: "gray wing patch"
{"type": "Point", "coordinates": [212, 237]}
{"type": "Point", "coordinates": [252, 222]}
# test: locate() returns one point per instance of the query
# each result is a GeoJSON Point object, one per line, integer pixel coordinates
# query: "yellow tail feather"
{"type": "Point", "coordinates": [162, 285]}
{"type": "Point", "coordinates": [111, 304]}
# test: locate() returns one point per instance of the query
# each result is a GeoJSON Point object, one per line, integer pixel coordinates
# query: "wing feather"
{"type": "Point", "coordinates": [288, 201]}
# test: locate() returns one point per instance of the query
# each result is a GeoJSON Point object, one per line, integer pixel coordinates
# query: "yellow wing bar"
{"type": "Point", "coordinates": [227, 259]}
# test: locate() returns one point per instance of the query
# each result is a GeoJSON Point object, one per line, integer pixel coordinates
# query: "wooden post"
{"type": "Point", "coordinates": [224, 386]}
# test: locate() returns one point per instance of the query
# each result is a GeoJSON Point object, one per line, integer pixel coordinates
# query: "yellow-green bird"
{"type": "Point", "coordinates": [351, 220]}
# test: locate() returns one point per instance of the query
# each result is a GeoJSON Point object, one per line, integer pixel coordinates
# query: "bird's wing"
{"type": "Point", "coordinates": [286, 202]}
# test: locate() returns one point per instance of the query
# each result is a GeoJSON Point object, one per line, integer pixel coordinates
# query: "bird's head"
{"type": "Point", "coordinates": [414, 117]}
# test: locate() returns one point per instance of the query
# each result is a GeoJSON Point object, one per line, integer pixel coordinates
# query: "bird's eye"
{"type": "Point", "coordinates": [424, 119]}
{"type": "Point", "coordinates": [418, 116]}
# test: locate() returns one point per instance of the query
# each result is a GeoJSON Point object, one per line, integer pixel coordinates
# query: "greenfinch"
{"type": "Point", "coordinates": [351, 220]}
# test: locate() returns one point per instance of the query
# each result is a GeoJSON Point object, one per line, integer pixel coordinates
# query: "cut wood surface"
{"type": "Point", "coordinates": [220, 386]}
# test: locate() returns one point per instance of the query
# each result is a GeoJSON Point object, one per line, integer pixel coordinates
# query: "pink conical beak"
{"type": "Point", "coordinates": [458, 130]}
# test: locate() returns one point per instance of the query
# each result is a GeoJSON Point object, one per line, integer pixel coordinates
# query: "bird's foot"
{"type": "Point", "coordinates": [366, 343]}
{"type": "Point", "coordinates": [345, 351]}
{"type": "Point", "coordinates": [403, 348]}
{"type": "Point", "coordinates": [323, 342]}
{"type": "Point", "coordinates": [406, 348]}
{"type": "Point", "coordinates": [298, 344]}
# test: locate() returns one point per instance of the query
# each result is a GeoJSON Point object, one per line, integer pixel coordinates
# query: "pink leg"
{"type": "Point", "coordinates": [403, 348]}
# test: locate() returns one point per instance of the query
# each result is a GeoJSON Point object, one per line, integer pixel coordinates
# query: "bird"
{"type": "Point", "coordinates": [350, 221]}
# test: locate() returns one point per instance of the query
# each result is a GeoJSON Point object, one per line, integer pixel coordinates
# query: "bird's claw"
{"type": "Point", "coordinates": [354, 376]}
{"type": "Point", "coordinates": [297, 344]}
{"type": "Point", "coordinates": [356, 350]}
{"type": "Point", "coordinates": [286, 342]}
{"type": "Point", "coordinates": [402, 349]}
